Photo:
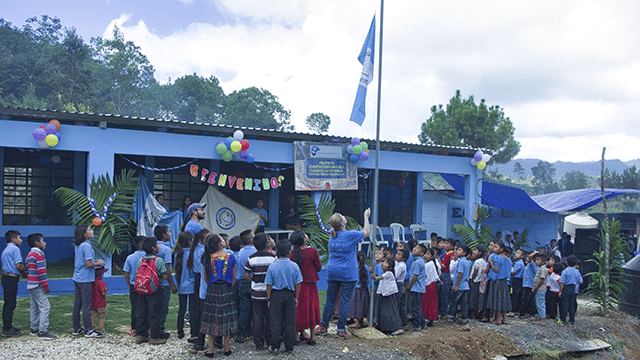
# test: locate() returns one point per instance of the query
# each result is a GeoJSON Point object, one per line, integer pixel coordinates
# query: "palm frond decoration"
{"type": "Point", "coordinates": [113, 234]}
{"type": "Point", "coordinates": [479, 234]}
{"type": "Point", "coordinates": [318, 238]}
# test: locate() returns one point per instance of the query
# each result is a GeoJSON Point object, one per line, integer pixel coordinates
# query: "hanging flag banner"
{"type": "Point", "coordinates": [148, 213]}
{"type": "Point", "coordinates": [234, 182]}
{"type": "Point", "coordinates": [366, 59]}
{"type": "Point", "coordinates": [223, 215]}
{"type": "Point", "coordinates": [323, 166]}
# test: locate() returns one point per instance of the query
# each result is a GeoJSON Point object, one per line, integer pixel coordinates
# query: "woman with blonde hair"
{"type": "Point", "coordinates": [342, 270]}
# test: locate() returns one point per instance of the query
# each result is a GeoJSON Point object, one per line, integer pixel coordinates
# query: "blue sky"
{"type": "Point", "coordinates": [564, 72]}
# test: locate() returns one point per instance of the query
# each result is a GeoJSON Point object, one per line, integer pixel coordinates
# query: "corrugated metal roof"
{"type": "Point", "coordinates": [219, 130]}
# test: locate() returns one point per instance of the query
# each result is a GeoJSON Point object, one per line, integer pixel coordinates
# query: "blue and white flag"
{"type": "Point", "coordinates": [148, 213]}
{"type": "Point", "coordinates": [366, 59]}
{"type": "Point", "coordinates": [223, 215]}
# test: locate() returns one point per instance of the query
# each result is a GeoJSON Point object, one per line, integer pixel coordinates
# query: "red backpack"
{"type": "Point", "coordinates": [147, 281]}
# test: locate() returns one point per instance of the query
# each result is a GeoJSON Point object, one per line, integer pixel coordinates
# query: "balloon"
{"type": "Point", "coordinates": [227, 156]}
{"type": "Point", "coordinates": [350, 149]}
{"type": "Point", "coordinates": [55, 123]}
{"type": "Point", "coordinates": [245, 145]}
{"type": "Point", "coordinates": [486, 158]}
{"type": "Point", "coordinates": [364, 156]}
{"type": "Point", "coordinates": [401, 182]}
{"type": "Point", "coordinates": [250, 158]}
{"type": "Point", "coordinates": [50, 129]}
{"type": "Point", "coordinates": [51, 140]}
{"type": "Point", "coordinates": [55, 159]}
{"type": "Point", "coordinates": [228, 141]}
{"type": "Point", "coordinates": [235, 146]}
{"type": "Point", "coordinates": [478, 156]}
{"type": "Point", "coordinates": [481, 165]}
{"type": "Point", "coordinates": [354, 158]}
{"type": "Point", "coordinates": [45, 160]}
{"type": "Point", "coordinates": [43, 144]}
{"type": "Point", "coordinates": [238, 135]}
{"type": "Point", "coordinates": [474, 162]}
{"type": "Point", "coordinates": [221, 149]}
{"type": "Point", "coordinates": [57, 135]}
{"type": "Point", "coordinates": [355, 141]}
{"type": "Point", "coordinates": [243, 156]}
{"type": "Point", "coordinates": [39, 134]}
{"type": "Point", "coordinates": [357, 149]}
{"type": "Point", "coordinates": [364, 145]}
{"type": "Point", "coordinates": [96, 221]}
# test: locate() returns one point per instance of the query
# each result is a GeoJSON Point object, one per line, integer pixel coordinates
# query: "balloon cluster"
{"type": "Point", "coordinates": [358, 150]}
{"type": "Point", "coordinates": [235, 146]}
{"type": "Point", "coordinates": [480, 160]}
{"type": "Point", "coordinates": [47, 135]}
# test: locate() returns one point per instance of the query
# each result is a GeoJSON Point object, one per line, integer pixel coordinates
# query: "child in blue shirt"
{"type": "Point", "coordinates": [527, 304]}
{"type": "Point", "coordinates": [569, 280]}
{"type": "Point", "coordinates": [416, 287]}
{"type": "Point", "coordinates": [12, 267]}
{"type": "Point", "coordinates": [130, 268]}
{"type": "Point", "coordinates": [283, 286]}
{"type": "Point", "coordinates": [460, 289]}
{"type": "Point", "coordinates": [517, 273]}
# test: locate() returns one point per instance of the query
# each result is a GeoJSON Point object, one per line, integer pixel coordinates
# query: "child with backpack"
{"type": "Point", "coordinates": [146, 284]}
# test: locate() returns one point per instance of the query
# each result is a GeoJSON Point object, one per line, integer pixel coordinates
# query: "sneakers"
{"type": "Point", "coordinates": [165, 335]}
{"type": "Point", "coordinates": [78, 332]}
{"type": "Point", "coordinates": [131, 332]}
{"type": "Point", "coordinates": [14, 331]}
{"type": "Point", "coordinates": [273, 350]}
{"type": "Point", "coordinates": [141, 339]}
{"type": "Point", "coordinates": [33, 332]}
{"type": "Point", "coordinates": [45, 335]}
{"type": "Point", "coordinates": [93, 334]}
{"type": "Point", "coordinates": [240, 338]}
{"type": "Point", "coordinates": [157, 341]}
{"type": "Point", "coordinates": [414, 328]}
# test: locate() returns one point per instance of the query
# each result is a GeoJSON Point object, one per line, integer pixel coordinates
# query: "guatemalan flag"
{"type": "Point", "coordinates": [366, 59]}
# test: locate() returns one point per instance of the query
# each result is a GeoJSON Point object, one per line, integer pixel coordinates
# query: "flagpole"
{"type": "Point", "coordinates": [376, 177]}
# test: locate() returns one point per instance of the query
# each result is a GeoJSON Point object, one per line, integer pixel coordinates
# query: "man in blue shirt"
{"type": "Point", "coordinates": [167, 287]}
{"type": "Point", "coordinates": [242, 287]}
{"type": "Point", "coordinates": [460, 289]}
{"type": "Point", "coordinates": [195, 212]}
{"type": "Point", "coordinates": [264, 216]}
{"type": "Point", "coordinates": [283, 286]}
{"type": "Point", "coordinates": [12, 267]}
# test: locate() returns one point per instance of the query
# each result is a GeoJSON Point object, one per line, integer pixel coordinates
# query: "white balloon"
{"type": "Point", "coordinates": [473, 162]}
{"type": "Point", "coordinates": [43, 144]}
{"type": "Point", "coordinates": [238, 135]}
{"type": "Point", "coordinates": [486, 158]}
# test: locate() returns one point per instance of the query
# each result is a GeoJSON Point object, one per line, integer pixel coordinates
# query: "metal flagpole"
{"type": "Point", "coordinates": [376, 177]}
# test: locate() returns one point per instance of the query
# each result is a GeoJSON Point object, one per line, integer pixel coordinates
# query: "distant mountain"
{"type": "Point", "coordinates": [590, 168]}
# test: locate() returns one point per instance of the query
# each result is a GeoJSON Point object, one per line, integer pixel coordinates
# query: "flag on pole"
{"type": "Point", "coordinates": [366, 59]}
{"type": "Point", "coordinates": [223, 215]}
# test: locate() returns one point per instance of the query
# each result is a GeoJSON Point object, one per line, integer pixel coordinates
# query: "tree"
{"type": "Point", "coordinates": [519, 170]}
{"type": "Point", "coordinates": [465, 123]}
{"type": "Point", "coordinates": [318, 122]}
{"type": "Point", "coordinates": [574, 179]}
{"type": "Point", "coordinates": [256, 108]}
{"type": "Point", "coordinates": [125, 73]}
{"type": "Point", "coordinates": [199, 99]}
{"type": "Point", "coordinates": [543, 173]}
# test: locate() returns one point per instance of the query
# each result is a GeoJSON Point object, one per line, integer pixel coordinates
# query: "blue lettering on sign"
{"type": "Point", "coordinates": [326, 168]}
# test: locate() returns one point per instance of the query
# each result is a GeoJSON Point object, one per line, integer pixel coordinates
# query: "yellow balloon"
{"type": "Point", "coordinates": [52, 140]}
{"type": "Point", "coordinates": [481, 165]}
{"type": "Point", "coordinates": [235, 146]}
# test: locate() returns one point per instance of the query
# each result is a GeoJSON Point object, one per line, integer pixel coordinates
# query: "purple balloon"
{"type": "Point", "coordinates": [250, 158]}
{"type": "Point", "coordinates": [244, 154]}
{"type": "Point", "coordinates": [354, 158]}
{"type": "Point", "coordinates": [355, 141]}
{"type": "Point", "coordinates": [364, 156]}
{"type": "Point", "coordinates": [50, 129]}
{"type": "Point", "coordinates": [478, 156]}
{"type": "Point", "coordinates": [39, 134]}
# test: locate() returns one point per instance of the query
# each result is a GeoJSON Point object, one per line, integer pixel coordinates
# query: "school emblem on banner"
{"type": "Point", "coordinates": [225, 218]}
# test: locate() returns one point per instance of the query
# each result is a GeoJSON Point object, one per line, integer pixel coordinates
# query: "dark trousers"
{"type": "Point", "coordinates": [283, 307]}
{"type": "Point", "coordinates": [416, 309]}
{"type": "Point", "coordinates": [133, 300]}
{"type": "Point", "coordinates": [516, 294]}
{"type": "Point", "coordinates": [244, 306]}
{"type": "Point", "coordinates": [459, 297]}
{"type": "Point", "coordinates": [527, 304]}
{"type": "Point", "coordinates": [552, 302]}
{"type": "Point", "coordinates": [261, 325]}
{"type": "Point", "coordinates": [148, 315]}
{"type": "Point", "coordinates": [194, 309]}
{"type": "Point", "coordinates": [165, 297]}
{"type": "Point", "coordinates": [568, 302]}
{"type": "Point", "coordinates": [10, 288]}
{"type": "Point", "coordinates": [445, 293]}
{"type": "Point", "coordinates": [402, 302]}
{"type": "Point", "coordinates": [182, 309]}
{"type": "Point", "coordinates": [82, 301]}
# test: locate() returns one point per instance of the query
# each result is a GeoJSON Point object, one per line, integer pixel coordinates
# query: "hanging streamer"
{"type": "Point", "coordinates": [92, 205]}
{"type": "Point", "coordinates": [328, 231]}
{"type": "Point", "coordinates": [157, 169]}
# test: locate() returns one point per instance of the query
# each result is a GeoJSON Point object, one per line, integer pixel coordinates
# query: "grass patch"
{"type": "Point", "coordinates": [64, 270]}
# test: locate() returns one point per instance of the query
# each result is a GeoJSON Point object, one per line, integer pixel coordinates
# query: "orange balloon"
{"type": "Point", "coordinates": [97, 221]}
{"type": "Point", "coordinates": [55, 123]}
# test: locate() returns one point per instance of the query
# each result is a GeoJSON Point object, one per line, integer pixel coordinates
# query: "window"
{"type": "Point", "coordinates": [353, 202]}
{"type": "Point", "coordinates": [396, 201]}
{"type": "Point", "coordinates": [30, 177]}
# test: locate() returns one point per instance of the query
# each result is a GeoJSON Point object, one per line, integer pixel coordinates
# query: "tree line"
{"type": "Point", "coordinates": [44, 65]}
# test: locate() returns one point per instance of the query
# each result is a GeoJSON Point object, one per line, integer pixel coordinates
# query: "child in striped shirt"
{"type": "Point", "coordinates": [38, 287]}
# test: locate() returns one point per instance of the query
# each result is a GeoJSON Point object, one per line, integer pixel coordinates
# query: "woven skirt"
{"type": "Point", "coordinates": [359, 308]}
{"type": "Point", "coordinates": [476, 299]}
{"type": "Point", "coordinates": [389, 316]}
{"type": "Point", "coordinates": [308, 309]}
{"type": "Point", "coordinates": [219, 315]}
{"type": "Point", "coordinates": [499, 298]}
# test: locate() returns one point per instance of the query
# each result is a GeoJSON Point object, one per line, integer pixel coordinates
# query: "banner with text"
{"type": "Point", "coordinates": [323, 166]}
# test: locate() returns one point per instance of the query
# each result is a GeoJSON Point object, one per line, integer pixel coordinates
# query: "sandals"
{"type": "Point", "coordinates": [207, 354]}
{"type": "Point", "coordinates": [344, 335]}
{"type": "Point", "coordinates": [321, 330]}
{"type": "Point", "coordinates": [311, 342]}
{"type": "Point", "coordinates": [354, 326]}
{"type": "Point", "coordinates": [496, 322]}
{"type": "Point", "coordinates": [484, 320]}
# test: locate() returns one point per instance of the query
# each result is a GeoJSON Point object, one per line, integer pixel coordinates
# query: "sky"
{"type": "Point", "coordinates": [566, 73]}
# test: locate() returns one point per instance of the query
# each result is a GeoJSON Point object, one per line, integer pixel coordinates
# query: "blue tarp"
{"type": "Point", "coordinates": [511, 198]}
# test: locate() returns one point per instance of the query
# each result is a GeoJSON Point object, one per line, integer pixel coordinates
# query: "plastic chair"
{"type": "Point", "coordinates": [398, 232]}
{"type": "Point", "coordinates": [365, 241]}
{"type": "Point", "coordinates": [416, 230]}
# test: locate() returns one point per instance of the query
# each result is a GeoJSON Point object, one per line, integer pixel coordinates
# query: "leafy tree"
{"type": "Point", "coordinates": [199, 99]}
{"type": "Point", "coordinates": [256, 108]}
{"type": "Point", "coordinates": [574, 179]}
{"type": "Point", "coordinates": [519, 170]}
{"type": "Point", "coordinates": [125, 73]}
{"type": "Point", "coordinates": [74, 73]}
{"type": "Point", "coordinates": [631, 178]}
{"type": "Point", "coordinates": [543, 173]}
{"type": "Point", "coordinates": [465, 123]}
{"type": "Point", "coordinates": [318, 122]}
